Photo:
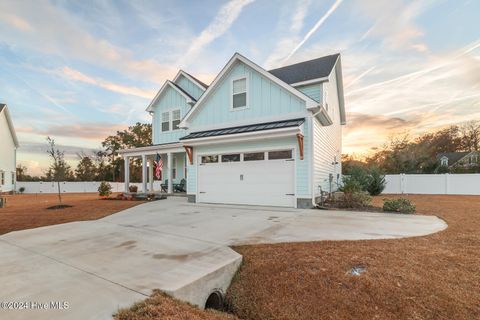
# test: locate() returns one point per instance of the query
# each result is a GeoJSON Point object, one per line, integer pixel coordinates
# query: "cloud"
{"type": "Point", "coordinates": [394, 22]}
{"type": "Point", "coordinates": [365, 132]}
{"type": "Point", "coordinates": [76, 75]}
{"type": "Point", "coordinates": [224, 19]}
{"type": "Point", "coordinates": [89, 131]}
{"type": "Point", "coordinates": [59, 33]}
{"type": "Point", "coordinates": [314, 28]}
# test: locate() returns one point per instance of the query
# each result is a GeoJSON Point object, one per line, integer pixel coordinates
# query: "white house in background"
{"type": "Point", "coordinates": [252, 136]}
{"type": "Point", "coordinates": [8, 151]}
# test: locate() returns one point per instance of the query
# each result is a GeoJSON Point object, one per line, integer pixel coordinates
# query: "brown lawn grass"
{"type": "Point", "coordinates": [26, 211]}
{"type": "Point", "coordinates": [430, 277]}
{"type": "Point", "coordinates": [161, 306]}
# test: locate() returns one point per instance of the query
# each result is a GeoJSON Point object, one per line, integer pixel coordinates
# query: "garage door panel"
{"type": "Point", "coordinates": [268, 182]}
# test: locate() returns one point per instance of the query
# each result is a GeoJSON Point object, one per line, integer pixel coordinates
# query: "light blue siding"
{"type": "Point", "coordinates": [302, 166]}
{"type": "Point", "coordinates": [190, 87]}
{"type": "Point", "coordinates": [170, 99]}
{"type": "Point", "coordinates": [265, 99]}
{"type": "Point", "coordinates": [314, 91]}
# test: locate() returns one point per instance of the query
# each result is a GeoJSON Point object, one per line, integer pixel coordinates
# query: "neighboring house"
{"type": "Point", "coordinates": [252, 136]}
{"type": "Point", "coordinates": [8, 151]}
{"type": "Point", "coordinates": [459, 159]}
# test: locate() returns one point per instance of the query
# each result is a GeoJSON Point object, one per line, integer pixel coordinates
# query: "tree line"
{"type": "Point", "coordinates": [102, 165]}
{"type": "Point", "coordinates": [404, 154]}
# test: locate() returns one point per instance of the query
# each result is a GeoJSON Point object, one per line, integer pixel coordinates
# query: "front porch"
{"type": "Point", "coordinates": [173, 174]}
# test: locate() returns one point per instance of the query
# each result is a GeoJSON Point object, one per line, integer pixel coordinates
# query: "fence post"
{"type": "Point", "coordinates": [446, 183]}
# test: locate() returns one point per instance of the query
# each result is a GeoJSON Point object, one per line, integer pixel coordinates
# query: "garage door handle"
{"type": "Point", "coordinates": [290, 160]}
{"type": "Point", "coordinates": [202, 192]}
{"type": "Point", "coordinates": [289, 194]}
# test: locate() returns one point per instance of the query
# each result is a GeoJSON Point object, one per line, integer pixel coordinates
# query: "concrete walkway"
{"type": "Point", "coordinates": [99, 266]}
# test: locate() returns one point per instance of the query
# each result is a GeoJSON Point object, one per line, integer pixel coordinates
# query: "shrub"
{"type": "Point", "coordinates": [401, 205]}
{"type": "Point", "coordinates": [356, 199]}
{"type": "Point", "coordinates": [350, 184]}
{"type": "Point", "coordinates": [133, 188]}
{"type": "Point", "coordinates": [21, 189]}
{"type": "Point", "coordinates": [370, 180]}
{"type": "Point", "coordinates": [377, 182]}
{"type": "Point", "coordinates": [105, 189]}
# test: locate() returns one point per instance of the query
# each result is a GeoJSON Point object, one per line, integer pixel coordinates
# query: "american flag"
{"type": "Point", "coordinates": [158, 167]}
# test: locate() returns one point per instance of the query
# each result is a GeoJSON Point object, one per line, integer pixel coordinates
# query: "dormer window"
{"type": "Point", "coordinates": [444, 161]}
{"type": "Point", "coordinates": [239, 93]}
{"type": "Point", "coordinates": [165, 121]}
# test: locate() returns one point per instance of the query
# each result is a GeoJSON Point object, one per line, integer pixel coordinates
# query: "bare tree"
{"type": "Point", "coordinates": [59, 169]}
{"type": "Point", "coordinates": [470, 135]}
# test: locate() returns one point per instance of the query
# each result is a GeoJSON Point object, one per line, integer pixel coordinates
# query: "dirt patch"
{"type": "Point", "coordinates": [161, 306]}
{"type": "Point", "coordinates": [430, 277]}
{"type": "Point", "coordinates": [26, 211]}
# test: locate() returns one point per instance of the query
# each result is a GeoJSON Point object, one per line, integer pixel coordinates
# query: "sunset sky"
{"type": "Point", "coordinates": [80, 70]}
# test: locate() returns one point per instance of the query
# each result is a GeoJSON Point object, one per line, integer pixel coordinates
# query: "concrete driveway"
{"type": "Point", "coordinates": [90, 269]}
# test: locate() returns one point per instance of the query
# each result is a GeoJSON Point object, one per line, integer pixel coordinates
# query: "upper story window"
{"type": "Point", "coordinates": [165, 121]}
{"type": "Point", "coordinates": [2, 178]}
{"type": "Point", "coordinates": [239, 93]}
{"type": "Point", "coordinates": [444, 161]}
{"type": "Point", "coordinates": [170, 120]}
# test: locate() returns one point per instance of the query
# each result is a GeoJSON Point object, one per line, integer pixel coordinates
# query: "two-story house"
{"type": "Point", "coordinates": [252, 136]}
{"type": "Point", "coordinates": [8, 151]}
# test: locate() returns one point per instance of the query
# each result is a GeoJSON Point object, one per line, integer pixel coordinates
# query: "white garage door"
{"type": "Point", "coordinates": [254, 178]}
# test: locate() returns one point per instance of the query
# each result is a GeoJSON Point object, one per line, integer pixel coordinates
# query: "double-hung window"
{"type": "Point", "coordinates": [2, 177]}
{"type": "Point", "coordinates": [165, 121]}
{"type": "Point", "coordinates": [175, 119]}
{"type": "Point", "coordinates": [239, 93]}
{"type": "Point", "coordinates": [170, 120]}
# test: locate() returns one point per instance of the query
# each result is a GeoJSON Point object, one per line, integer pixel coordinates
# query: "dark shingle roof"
{"type": "Point", "coordinates": [247, 128]}
{"type": "Point", "coordinates": [196, 79]}
{"type": "Point", "coordinates": [453, 157]}
{"type": "Point", "coordinates": [186, 93]}
{"type": "Point", "coordinates": [307, 70]}
{"type": "Point", "coordinates": [2, 105]}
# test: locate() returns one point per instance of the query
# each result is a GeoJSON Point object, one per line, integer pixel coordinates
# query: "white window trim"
{"type": "Point", "coordinates": [170, 119]}
{"type": "Point", "coordinates": [246, 93]}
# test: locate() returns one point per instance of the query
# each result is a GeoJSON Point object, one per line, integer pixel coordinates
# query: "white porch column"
{"type": "Point", "coordinates": [170, 171]}
{"type": "Point", "coordinates": [150, 174]}
{"type": "Point", "coordinates": [144, 173]}
{"type": "Point", "coordinates": [127, 172]}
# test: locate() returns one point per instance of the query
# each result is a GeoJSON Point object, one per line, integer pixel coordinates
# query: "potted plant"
{"type": "Point", "coordinates": [104, 190]}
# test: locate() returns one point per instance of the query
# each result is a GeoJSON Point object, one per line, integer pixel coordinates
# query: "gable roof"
{"type": "Point", "coordinates": [187, 75]}
{"type": "Point", "coordinates": [168, 83]}
{"type": "Point", "coordinates": [310, 103]}
{"type": "Point", "coordinates": [453, 157]}
{"type": "Point", "coordinates": [4, 109]}
{"type": "Point", "coordinates": [307, 70]}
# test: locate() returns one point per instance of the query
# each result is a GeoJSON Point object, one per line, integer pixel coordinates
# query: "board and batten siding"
{"type": "Point", "coordinates": [170, 100]}
{"type": "Point", "coordinates": [314, 91]}
{"type": "Point", "coordinates": [302, 182]}
{"type": "Point", "coordinates": [327, 142]}
{"type": "Point", "coordinates": [190, 87]}
{"type": "Point", "coordinates": [7, 154]}
{"type": "Point", "coordinates": [265, 99]}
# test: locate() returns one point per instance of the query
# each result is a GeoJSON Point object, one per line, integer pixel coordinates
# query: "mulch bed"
{"type": "Point", "coordinates": [430, 277]}
{"type": "Point", "coordinates": [26, 211]}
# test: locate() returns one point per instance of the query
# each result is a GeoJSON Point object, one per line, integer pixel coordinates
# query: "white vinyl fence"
{"type": "Point", "coordinates": [465, 183]}
{"type": "Point", "coordinates": [75, 187]}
